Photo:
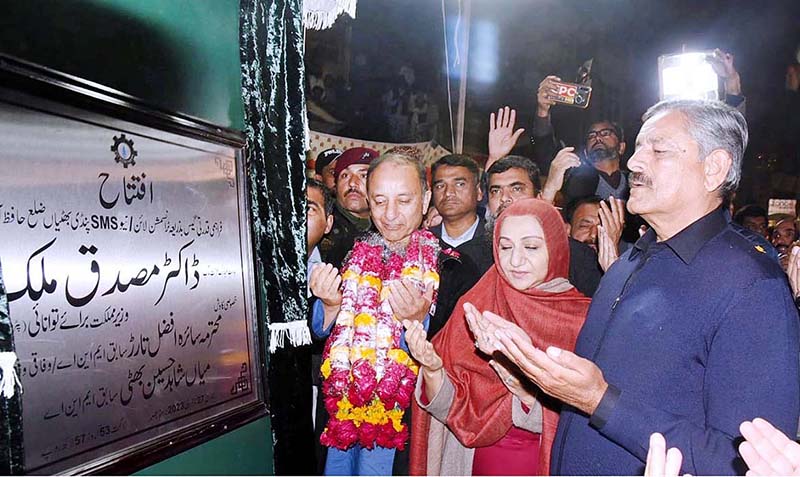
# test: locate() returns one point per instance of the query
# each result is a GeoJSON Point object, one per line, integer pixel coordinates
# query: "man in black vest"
{"type": "Point", "coordinates": [456, 193]}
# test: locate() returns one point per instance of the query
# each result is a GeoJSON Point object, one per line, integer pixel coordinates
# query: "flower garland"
{"type": "Point", "coordinates": [368, 379]}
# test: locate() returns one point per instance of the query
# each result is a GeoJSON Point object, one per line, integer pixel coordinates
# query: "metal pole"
{"type": "Point", "coordinates": [462, 84]}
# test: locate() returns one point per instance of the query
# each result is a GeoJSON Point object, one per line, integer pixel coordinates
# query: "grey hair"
{"type": "Point", "coordinates": [402, 159]}
{"type": "Point", "coordinates": [712, 125]}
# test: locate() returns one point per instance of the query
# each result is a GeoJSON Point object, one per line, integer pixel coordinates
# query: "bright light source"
{"type": "Point", "coordinates": [687, 76]}
{"type": "Point", "coordinates": [484, 46]}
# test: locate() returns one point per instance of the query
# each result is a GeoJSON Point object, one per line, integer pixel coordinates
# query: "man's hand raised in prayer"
{"type": "Point", "coordinates": [502, 136]}
{"type": "Point", "coordinates": [423, 351]}
{"type": "Point", "coordinates": [722, 63]}
{"type": "Point", "coordinates": [562, 374]}
{"type": "Point", "coordinates": [793, 270]}
{"type": "Point", "coordinates": [767, 451]}
{"type": "Point", "coordinates": [660, 461]}
{"type": "Point", "coordinates": [408, 302]}
{"type": "Point", "coordinates": [324, 282]}
{"type": "Point", "coordinates": [612, 221]}
{"type": "Point", "coordinates": [565, 159]}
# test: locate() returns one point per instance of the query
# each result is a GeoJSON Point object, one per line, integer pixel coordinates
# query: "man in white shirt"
{"type": "Point", "coordinates": [456, 193]}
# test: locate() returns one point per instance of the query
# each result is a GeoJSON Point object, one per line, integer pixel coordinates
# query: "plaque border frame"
{"type": "Point", "coordinates": [71, 91]}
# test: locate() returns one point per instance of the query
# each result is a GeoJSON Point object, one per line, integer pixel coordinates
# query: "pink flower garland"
{"type": "Point", "coordinates": [368, 379]}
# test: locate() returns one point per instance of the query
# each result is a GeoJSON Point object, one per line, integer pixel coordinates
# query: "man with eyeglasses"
{"type": "Point", "coordinates": [604, 145]}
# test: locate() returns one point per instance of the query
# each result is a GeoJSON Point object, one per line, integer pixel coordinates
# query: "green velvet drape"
{"type": "Point", "coordinates": [271, 47]}
{"type": "Point", "coordinates": [275, 124]}
{"type": "Point", "coordinates": [12, 455]}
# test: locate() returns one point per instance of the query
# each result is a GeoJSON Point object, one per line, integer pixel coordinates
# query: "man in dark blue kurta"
{"type": "Point", "coordinates": [691, 332]}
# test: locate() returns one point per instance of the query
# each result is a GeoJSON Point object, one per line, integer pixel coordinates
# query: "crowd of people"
{"type": "Point", "coordinates": [407, 112]}
{"type": "Point", "coordinates": [482, 322]}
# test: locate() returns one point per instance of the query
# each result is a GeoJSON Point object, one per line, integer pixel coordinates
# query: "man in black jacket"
{"type": "Point", "coordinates": [351, 213]}
{"type": "Point", "coordinates": [456, 193]}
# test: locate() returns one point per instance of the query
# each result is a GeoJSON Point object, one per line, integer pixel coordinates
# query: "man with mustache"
{"type": "Point", "coordinates": [583, 218]}
{"type": "Point", "coordinates": [691, 332]}
{"type": "Point", "coordinates": [509, 179]}
{"type": "Point", "coordinates": [456, 193]}
{"type": "Point", "coordinates": [783, 235]}
{"type": "Point", "coordinates": [593, 222]}
{"type": "Point", "coordinates": [351, 214]}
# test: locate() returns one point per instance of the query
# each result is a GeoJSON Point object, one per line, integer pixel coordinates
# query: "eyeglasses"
{"type": "Point", "coordinates": [602, 133]}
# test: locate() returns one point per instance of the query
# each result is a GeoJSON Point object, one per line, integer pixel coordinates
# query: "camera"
{"type": "Point", "coordinates": [571, 94]}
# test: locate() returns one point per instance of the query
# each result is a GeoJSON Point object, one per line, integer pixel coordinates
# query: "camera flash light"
{"type": "Point", "coordinates": [687, 76]}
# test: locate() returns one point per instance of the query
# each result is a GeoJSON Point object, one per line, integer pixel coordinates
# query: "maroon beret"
{"type": "Point", "coordinates": [355, 155]}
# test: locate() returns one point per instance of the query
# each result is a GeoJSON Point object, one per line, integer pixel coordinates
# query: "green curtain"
{"type": "Point", "coordinates": [275, 125]}
{"type": "Point", "coordinates": [12, 451]}
{"type": "Point", "coordinates": [271, 47]}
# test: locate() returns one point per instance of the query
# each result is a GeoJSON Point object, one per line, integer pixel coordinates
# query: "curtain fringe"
{"type": "Point", "coordinates": [9, 379]}
{"type": "Point", "coordinates": [297, 331]}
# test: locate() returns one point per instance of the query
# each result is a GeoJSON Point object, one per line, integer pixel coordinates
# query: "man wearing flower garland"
{"type": "Point", "coordinates": [389, 276]}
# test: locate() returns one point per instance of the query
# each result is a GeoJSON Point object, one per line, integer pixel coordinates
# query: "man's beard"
{"type": "Point", "coordinates": [602, 153]}
{"type": "Point", "coordinates": [490, 221]}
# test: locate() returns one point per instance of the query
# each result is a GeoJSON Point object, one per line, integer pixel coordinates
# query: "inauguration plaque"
{"type": "Point", "coordinates": [127, 259]}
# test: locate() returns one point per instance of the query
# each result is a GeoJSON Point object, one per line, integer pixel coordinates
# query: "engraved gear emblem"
{"type": "Point", "coordinates": [123, 151]}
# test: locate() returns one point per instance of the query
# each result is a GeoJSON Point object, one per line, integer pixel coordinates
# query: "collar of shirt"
{"type": "Point", "coordinates": [313, 258]}
{"type": "Point", "coordinates": [686, 243]}
{"type": "Point", "coordinates": [612, 179]}
{"type": "Point", "coordinates": [361, 224]}
{"type": "Point", "coordinates": [465, 237]}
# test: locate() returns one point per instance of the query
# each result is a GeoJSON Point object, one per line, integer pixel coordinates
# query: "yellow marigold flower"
{"type": "Point", "coordinates": [400, 356]}
{"type": "Point", "coordinates": [431, 276]}
{"type": "Point", "coordinates": [350, 275]}
{"type": "Point", "coordinates": [345, 409]}
{"type": "Point", "coordinates": [370, 280]}
{"type": "Point", "coordinates": [364, 319]}
{"type": "Point", "coordinates": [375, 413]}
{"type": "Point", "coordinates": [396, 416]}
{"type": "Point", "coordinates": [362, 353]}
{"type": "Point", "coordinates": [357, 415]}
{"type": "Point", "coordinates": [412, 272]}
{"type": "Point", "coordinates": [381, 417]}
{"type": "Point", "coordinates": [326, 368]}
{"type": "Point", "coordinates": [344, 404]}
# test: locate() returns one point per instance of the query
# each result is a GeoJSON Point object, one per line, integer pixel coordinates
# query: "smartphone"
{"type": "Point", "coordinates": [571, 94]}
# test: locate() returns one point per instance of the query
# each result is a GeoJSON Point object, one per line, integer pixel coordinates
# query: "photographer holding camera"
{"type": "Point", "coordinates": [597, 163]}
{"type": "Point", "coordinates": [603, 147]}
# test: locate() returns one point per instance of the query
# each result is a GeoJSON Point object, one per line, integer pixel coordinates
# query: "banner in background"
{"type": "Point", "coordinates": [318, 142]}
